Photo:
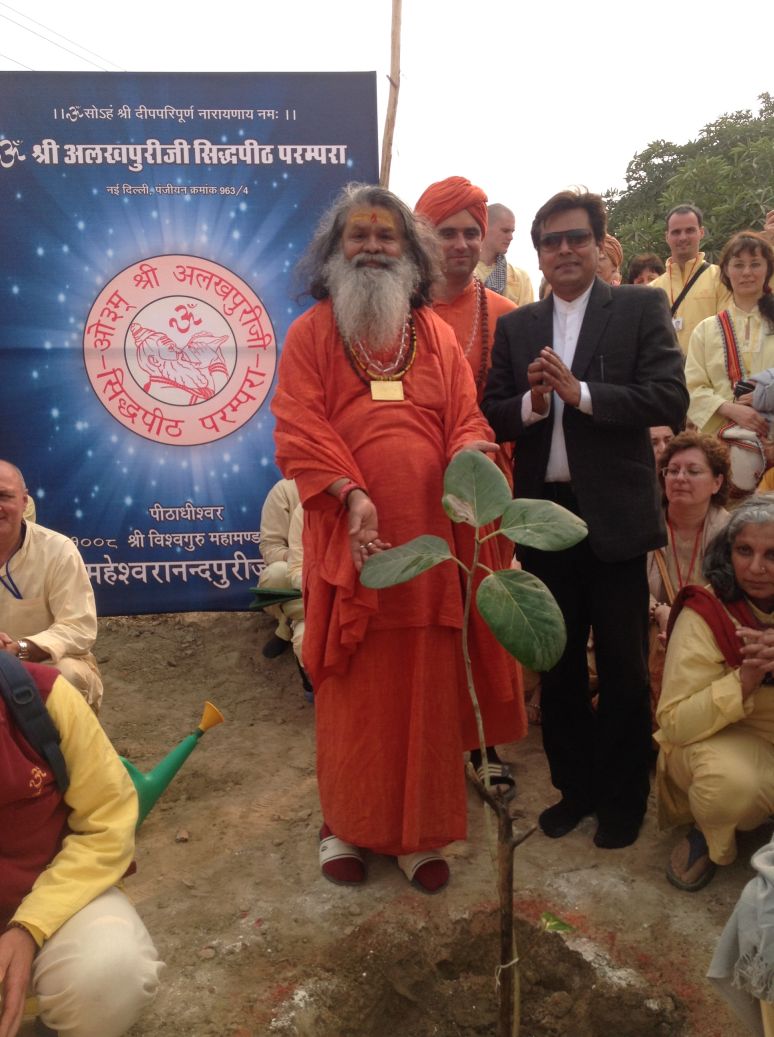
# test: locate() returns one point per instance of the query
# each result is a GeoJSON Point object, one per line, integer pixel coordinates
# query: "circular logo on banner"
{"type": "Point", "coordinates": [179, 350]}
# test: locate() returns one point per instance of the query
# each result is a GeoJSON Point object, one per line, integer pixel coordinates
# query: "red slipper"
{"type": "Point", "coordinates": [426, 871]}
{"type": "Point", "coordinates": [340, 862]}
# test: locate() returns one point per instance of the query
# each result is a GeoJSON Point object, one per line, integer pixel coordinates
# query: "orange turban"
{"type": "Point", "coordinates": [613, 248]}
{"type": "Point", "coordinates": [450, 196]}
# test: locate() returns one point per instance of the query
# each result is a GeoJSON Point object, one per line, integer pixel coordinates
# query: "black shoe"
{"type": "Point", "coordinates": [561, 818]}
{"type": "Point", "coordinates": [307, 684]}
{"type": "Point", "coordinates": [274, 647]}
{"type": "Point", "coordinates": [615, 835]}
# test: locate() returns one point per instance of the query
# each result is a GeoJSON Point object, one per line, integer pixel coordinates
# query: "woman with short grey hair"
{"type": "Point", "coordinates": [716, 713]}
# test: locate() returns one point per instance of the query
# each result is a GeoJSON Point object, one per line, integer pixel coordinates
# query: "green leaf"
{"type": "Point", "coordinates": [522, 614]}
{"type": "Point", "coordinates": [542, 524]}
{"type": "Point", "coordinates": [403, 563]}
{"type": "Point", "coordinates": [553, 924]}
{"type": "Point", "coordinates": [475, 490]}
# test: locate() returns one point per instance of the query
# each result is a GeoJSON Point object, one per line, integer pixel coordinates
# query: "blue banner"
{"type": "Point", "coordinates": [152, 223]}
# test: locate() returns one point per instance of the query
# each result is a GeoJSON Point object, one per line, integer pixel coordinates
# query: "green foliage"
{"type": "Point", "coordinates": [542, 524]}
{"type": "Point", "coordinates": [518, 608]}
{"type": "Point", "coordinates": [522, 614]}
{"type": "Point", "coordinates": [475, 490]}
{"type": "Point", "coordinates": [401, 564]}
{"type": "Point", "coordinates": [728, 171]}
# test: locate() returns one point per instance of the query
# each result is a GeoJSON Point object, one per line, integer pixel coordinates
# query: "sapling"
{"type": "Point", "coordinates": [521, 613]}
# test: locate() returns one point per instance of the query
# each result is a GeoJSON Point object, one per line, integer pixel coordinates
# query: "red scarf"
{"type": "Point", "coordinates": [715, 614]}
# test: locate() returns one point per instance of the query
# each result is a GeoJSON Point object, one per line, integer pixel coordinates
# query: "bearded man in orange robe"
{"type": "Point", "coordinates": [457, 210]}
{"type": "Point", "coordinates": [374, 398]}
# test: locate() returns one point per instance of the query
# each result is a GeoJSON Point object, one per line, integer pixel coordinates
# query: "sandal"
{"type": "Point", "coordinates": [426, 870]}
{"type": "Point", "coordinates": [499, 776]}
{"type": "Point", "coordinates": [689, 867]}
{"type": "Point", "coordinates": [340, 862]}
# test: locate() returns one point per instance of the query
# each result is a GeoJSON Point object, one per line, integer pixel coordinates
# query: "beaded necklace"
{"type": "Point", "coordinates": [680, 581]}
{"type": "Point", "coordinates": [480, 317]}
{"type": "Point", "coordinates": [375, 374]}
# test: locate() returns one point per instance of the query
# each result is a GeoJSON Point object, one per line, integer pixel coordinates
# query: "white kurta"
{"type": "Point", "coordinates": [56, 609]}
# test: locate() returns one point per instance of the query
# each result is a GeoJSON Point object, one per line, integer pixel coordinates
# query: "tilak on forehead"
{"type": "Point", "coordinates": [376, 215]}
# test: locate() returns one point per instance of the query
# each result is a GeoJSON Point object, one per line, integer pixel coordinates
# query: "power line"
{"type": "Point", "coordinates": [47, 40]}
{"type": "Point", "coordinates": [14, 60]}
{"type": "Point", "coordinates": [60, 35]}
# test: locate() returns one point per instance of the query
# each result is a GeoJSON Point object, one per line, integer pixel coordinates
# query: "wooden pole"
{"type": "Point", "coordinates": [392, 103]}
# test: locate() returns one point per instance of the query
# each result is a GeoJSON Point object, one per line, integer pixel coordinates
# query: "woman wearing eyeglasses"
{"type": "Point", "coordinates": [716, 714]}
{"type": "Point", "coordinates": [694, 477]}
{"type": "Point", "coordinates": [727, 351]}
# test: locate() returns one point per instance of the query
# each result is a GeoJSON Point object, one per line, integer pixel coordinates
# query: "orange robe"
{"type": "Point", "coordinates": [459, 313]}
{"type": "Point", "coordinates": [390, 692]}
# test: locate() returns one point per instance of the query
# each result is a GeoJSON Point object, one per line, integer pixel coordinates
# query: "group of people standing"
{"type": "Point", "coordinates": [413, 352]}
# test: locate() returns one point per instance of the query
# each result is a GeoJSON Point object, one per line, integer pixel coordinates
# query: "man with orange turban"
{"type": "Point", "coordinates": [610, 261]}
{"type": "Point", "coordinates": [457, 209]}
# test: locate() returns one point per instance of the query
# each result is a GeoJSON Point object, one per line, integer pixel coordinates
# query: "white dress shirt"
{"type": "Point", "coordinates": [568, 318]}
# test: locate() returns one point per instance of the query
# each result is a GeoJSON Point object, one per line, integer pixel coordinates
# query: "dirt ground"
{"type": "Point", "coordinates": [258, 943]}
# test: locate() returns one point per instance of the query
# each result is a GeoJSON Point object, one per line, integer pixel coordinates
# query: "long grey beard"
{"type": "Point", "coordinates": [371, 305]}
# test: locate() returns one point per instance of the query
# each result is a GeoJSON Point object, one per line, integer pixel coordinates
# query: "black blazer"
{"type": "Point", "coordinates": [628, 354]}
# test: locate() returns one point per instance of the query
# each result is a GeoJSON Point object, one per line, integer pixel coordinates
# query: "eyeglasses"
{"type": "Point", "coordinates": [579, 238]}
{"type": "Point", "coordinates": [692, 473]}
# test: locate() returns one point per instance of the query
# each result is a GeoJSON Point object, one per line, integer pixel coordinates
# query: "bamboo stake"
{"type": "Point", "coordinates": [392, 103]}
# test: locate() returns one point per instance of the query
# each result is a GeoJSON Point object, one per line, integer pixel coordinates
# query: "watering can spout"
{"type": "Point", "coordinates": [150, 786]}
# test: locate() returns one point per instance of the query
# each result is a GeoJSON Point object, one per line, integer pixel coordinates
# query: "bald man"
{"type": "Point", "coordinates": [47, 608]}
{"type": "Point", "coordinates": [497, 274]}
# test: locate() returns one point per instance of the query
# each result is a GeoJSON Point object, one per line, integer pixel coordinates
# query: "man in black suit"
{"type": "Point", "coordinates": [576, 382]}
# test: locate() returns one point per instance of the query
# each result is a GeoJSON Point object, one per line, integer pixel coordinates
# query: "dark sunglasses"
{"type": "Point", "coordinates": [552, 241]}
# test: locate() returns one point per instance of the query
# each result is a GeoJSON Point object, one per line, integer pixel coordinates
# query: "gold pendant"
{"type": "Point", "coordinates": [386, 391]}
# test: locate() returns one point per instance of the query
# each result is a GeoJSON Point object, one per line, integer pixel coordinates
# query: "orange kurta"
{"type": "Point", "coordinates": [386, 665]}
{"type": "Point", "coordinates": [459, 313]}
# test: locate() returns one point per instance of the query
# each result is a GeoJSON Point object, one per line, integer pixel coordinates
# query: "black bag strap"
{"type": "Point", "coordinates": [29, 712]}
{"type": "Point", "coordinates": [686, 288]}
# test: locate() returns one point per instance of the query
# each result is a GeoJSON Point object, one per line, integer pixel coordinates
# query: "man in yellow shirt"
{"type": "Point", "coordinates": [492, 269]}
{"type": "Point", "coordinates": [47, 609]}
{"type": "Point", "coordinates": [66, 932]}
{"type": "Point", "coordinates": [692, 285]}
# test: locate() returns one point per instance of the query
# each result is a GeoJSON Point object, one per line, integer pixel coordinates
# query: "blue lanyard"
{"type": "Point", "coordinates": [9, 583]}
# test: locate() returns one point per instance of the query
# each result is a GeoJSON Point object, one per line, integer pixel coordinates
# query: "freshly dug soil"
{"type": "Point", "coordinates": [258, 943]}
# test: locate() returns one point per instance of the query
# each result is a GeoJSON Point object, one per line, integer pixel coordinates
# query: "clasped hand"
{"type": "Point", "coordinates": [547, 374]}
{"type": "Point", "coordinates": [757, 657]}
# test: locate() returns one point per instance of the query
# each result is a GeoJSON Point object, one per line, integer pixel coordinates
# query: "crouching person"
{"type": "Point", "coordinates": [716, 713]}
{"type": "Point", "coordinates": [68, 935]}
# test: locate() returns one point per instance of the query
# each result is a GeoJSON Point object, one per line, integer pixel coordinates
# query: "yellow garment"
{"type": "Point", "coordinates": [57, 610]}
{"type": "Point", "coordinates": [518, 286]}
{"type": "Point", "coordinates": [707, 297]}
{"type": "Point", "coordinates": [29, 509]}
{"type": "Point", "coordinates": [705, 367]}
{"type": "Point", "coordinates": [282, 521]}
{"type": "Point", "coordinates": [103, 816]}
{"type": "Point", "coordinates": [281, 501]}
{"type": "Point", "coordinates": [716, 763]}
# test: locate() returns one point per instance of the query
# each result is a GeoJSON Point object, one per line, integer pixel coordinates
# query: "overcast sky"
{"type": "Point", "coordinates": [522, 99]}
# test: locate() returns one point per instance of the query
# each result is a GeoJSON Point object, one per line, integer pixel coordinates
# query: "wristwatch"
{"type": "Point", "coordinates": [24, 649]}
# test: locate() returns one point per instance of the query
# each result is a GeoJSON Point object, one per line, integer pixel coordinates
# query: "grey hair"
{"type": "Point", "coordinates": [717, 567]}
{"type": "Point", "coordinates": [422, 246]}
{"type": "Point", "coordinates": [18, 472]}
